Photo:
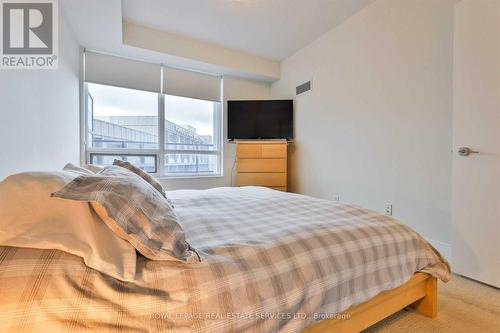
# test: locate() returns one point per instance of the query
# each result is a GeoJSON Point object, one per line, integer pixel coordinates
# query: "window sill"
{"type": "Point", "coordinates": [187, 176]}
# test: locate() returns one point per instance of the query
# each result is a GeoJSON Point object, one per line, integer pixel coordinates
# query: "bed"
{"type": "Point", "coordinates": [268, 261]}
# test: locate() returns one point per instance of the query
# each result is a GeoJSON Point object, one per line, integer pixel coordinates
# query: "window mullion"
{"type": "Point", "coordinates": [161, 134]}
{"type": "Point", "coordinates": [220, 129]}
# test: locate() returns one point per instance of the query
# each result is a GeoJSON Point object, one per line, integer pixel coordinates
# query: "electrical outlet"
{"type": "Point", "coordinates": [336, 197]}
{"type": "Point", "coordinates": [388, 209]}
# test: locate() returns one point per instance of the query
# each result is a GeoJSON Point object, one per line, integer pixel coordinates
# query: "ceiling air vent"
{"type": "Point", "coordinates": [303, 88]}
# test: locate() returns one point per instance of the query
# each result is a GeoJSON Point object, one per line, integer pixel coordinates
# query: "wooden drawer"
{"type": "Point", "coordinates": [274, 150]}
{"type": "Point", "coordinates": [264, 150]}
{"type": "Point", "coordinates": [248, 150]}
{"type": "Point", "coordinates": [262, 165]}
{"type": "Point", "coordinates": [261, 179]}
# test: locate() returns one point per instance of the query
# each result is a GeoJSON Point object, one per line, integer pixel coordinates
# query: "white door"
{"type": "Point", "coordinates": [476, 125]}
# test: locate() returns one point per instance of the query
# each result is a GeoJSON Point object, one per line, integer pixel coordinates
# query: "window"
{"type": "Point", "coordinates": [163, 134]}
{"type": "Point", "coordinates": [122, 118]}
{"type": "Point", "coordinates": [190, 136]}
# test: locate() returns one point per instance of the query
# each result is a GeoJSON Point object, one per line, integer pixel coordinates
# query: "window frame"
{"type": "Point", "coordinates": [160, 152]}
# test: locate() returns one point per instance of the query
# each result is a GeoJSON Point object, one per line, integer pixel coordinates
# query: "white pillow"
{"type": "Point", "coordinates": [29, 217]}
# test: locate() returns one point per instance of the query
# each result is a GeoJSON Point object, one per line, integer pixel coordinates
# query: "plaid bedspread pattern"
{"type": "Point", "coordinates": [272, 262]}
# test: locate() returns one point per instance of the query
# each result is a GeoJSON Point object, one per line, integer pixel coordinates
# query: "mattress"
{"type": "Point", "coordinates": [270, 262]}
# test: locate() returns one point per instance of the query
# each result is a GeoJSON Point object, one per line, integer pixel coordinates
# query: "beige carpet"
{"type": "Point", "coordinates": [464, 306]}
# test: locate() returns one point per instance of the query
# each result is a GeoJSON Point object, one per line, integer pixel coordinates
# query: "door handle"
{"type": "Point", "coordinates": [466, 151]}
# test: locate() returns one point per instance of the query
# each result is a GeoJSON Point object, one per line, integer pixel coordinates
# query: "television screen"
{"type": "Point", "coordinates": [271, 119]}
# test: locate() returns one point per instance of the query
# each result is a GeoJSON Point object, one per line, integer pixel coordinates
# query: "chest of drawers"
{"type": "Point", "coordinates": [262, 163]}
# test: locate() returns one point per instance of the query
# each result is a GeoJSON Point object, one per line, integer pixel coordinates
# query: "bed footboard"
{"type": "Point", "coordinates": [420, 292]}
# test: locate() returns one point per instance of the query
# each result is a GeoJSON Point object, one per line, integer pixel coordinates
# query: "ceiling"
{"type": "Point", "coordinates": [273, 29]}
{"type": "Point", "coordinates": [239, 38]}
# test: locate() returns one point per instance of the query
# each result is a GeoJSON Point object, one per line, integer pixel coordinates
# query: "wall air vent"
{"type": "Point", "coordinates": [303, 88]}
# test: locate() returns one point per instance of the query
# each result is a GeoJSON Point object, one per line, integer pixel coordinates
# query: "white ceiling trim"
{"type": "Point", "coordinates": [230, 61]}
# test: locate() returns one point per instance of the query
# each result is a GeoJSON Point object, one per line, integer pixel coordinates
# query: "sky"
{"type": "Point", "coordinates": [113, 101]}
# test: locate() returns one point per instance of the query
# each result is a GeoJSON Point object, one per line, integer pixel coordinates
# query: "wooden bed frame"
{"type": "Point", "coordinates": [420, 292]}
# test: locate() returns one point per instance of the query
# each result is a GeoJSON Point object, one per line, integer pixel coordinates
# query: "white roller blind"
{"type": "Point", "coordinates": [121, 72]}
{"type": "Point", "coordinates": [191, 84]}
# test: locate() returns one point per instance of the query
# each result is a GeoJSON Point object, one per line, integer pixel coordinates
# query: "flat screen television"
{"type": "Point", "coordinates": [271, 119]}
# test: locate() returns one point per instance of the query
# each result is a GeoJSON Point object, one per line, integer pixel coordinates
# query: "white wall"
{"type": "Point", "coordinates": [234, 89]}
{"type": "Point", "coordinates": [376, 128]}
{"type": "Point", "coordinates": [39, 112]}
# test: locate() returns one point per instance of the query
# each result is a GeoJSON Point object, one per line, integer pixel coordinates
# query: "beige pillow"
{"type": "Point", "coordinates": [88, 169]}
{"type": "Point", "coordinates": [134, 210]}
{"type": "Point", "coordinates": [93, 168]}
{"type": "Point", "coordinates": [144, 175]}
{"type": "Point", "coordinates": [30, 218]}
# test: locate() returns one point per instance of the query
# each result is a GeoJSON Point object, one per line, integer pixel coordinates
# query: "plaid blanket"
{"type": "Point", "coordinates": [271, 262]}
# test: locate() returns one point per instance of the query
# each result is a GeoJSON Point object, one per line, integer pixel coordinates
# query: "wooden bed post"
{"type": "Point", "coordinates": [428, 305]}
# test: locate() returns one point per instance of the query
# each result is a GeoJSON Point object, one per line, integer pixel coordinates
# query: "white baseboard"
{"type": "Point", "coordinates": [443, 248]}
